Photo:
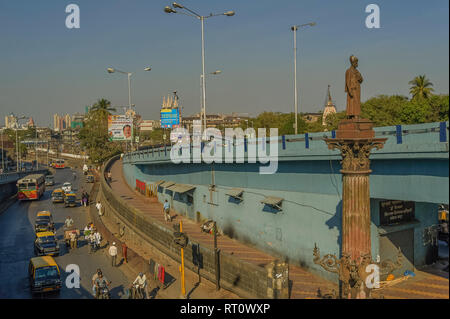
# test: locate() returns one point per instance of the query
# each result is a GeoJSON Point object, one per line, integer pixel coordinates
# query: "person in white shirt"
{"type": "Point", "coordinates": [113, 254]}
{"type": "Point", "coordinates": [99, 208]}
{"type": "Point", "coordinates": [98, 239]}
{"type": "Point", "coordinates": [140, 284]}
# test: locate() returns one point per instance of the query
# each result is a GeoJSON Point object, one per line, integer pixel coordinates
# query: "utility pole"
{"type": "Point", "coordinates": [216, 258]}
{"type": "Point", "coordinates": [183, 287]}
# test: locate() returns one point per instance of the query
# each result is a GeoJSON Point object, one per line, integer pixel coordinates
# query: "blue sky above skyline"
{"type": "Point", "coordinates": [47, 68]}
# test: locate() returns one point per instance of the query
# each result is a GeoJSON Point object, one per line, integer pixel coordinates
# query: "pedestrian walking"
{"type": "Point", "coordinates": [73, 240]}
{"type": "Point", "coordinates": [124, 252]}
{"type": "Point", "coordinates": [109, 174]}
{"type": "Point", "coordinates": [99, 208]}
{"type": "Point", "coordinates": [98, 239]}
{"type": "Point", "coordinates": [113, 254]}
{"type": "Point", "coordinates": [166, 211]}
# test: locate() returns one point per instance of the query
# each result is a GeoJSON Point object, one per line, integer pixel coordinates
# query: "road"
{"type": "Point", "coordinates": [17, 242]}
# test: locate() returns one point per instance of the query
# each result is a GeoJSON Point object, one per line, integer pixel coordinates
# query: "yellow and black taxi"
{"type": "Point", "coordinates": [44, 275]}
{"type": "Point", "coordinates": [46, 244]}
{"type": "Point", "coordinates": [70, 200]}
{"type": "Point", "coordinates": [44, 222]}
{"type": "Point", "coordinates": [90, 178]}
{"type": "Point", "coordinates": [58, 196]}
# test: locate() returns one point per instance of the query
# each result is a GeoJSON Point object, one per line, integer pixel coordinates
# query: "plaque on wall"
{"type": "Point", "coordinates": [395, 212]}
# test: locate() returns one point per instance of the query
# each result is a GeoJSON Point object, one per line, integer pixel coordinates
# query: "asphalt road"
{"type": "Point", "coordinates": [17, 241]}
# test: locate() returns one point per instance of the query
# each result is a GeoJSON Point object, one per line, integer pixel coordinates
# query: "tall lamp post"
{"type": "Point", "coordinates": [113, 70]}
{"type": "Point", "coordinates": [203, 109]}
{"type": "Point", "coordinates": [191, 13]}
{"type": "Point", "coordinates": [3, 155]}
{"type": "Point", "coordinates": [16, 126]}
{"type": "Point", "coordinates": [295, 28]}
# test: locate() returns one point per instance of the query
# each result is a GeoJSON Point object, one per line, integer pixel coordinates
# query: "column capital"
{"type": "Point", "coordinates": [355, 152]}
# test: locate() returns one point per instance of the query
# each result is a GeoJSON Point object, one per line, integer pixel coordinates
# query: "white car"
{"type": "Point", "coordinates": [67, 187]}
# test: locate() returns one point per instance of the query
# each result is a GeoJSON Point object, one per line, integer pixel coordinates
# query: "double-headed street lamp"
{"type": "Point", "coordinates": [112, 70]}
{"type": "Point", "coordinates": [295, 28]}
{"type": "Point", "coordinates": [191, 13]}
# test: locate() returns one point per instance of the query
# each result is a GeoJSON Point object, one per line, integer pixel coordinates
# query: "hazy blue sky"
{"type": "Point", "coordinates": [46, 68]}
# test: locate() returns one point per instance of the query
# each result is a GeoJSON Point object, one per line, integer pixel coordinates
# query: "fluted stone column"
{"type": "Point", "coordinates": [356, 193]}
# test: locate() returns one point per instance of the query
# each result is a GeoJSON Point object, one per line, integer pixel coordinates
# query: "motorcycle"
{"type": "Point", "coordinates": [104, 293]}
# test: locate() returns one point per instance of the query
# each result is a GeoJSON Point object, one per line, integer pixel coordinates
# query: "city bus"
{"type": "Point", "coordinates": [59, 163]}
{"type": "Point", "coordinates": [31, 187]}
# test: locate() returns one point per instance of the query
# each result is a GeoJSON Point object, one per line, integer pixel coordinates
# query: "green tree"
{"type": "Point", "coordinates": [94, 136]}
{"type": "Point", "coordinates": [421, 87]}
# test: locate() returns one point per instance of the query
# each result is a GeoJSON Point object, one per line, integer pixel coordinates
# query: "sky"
{"type": "Point", "coordinates": [46, 68]}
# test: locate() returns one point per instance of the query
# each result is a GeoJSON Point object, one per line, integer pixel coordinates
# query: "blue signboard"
{"type": "Point", "coordinates": [170, 118]}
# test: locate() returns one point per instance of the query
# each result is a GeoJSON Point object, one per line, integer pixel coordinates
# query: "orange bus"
{"type": "Point", "coordinates": [59, 163]}
{"type": "Point", "coordinates": [31, 187]}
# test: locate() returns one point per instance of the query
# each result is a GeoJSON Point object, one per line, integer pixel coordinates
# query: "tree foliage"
{"type": "Point", "coordinates": [94, 135]}
{"type": "Point", "coordinates": [421, 87]}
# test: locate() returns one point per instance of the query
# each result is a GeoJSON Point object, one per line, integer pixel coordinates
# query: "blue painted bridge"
{"type": "Point", "coordinates": [303, 198]}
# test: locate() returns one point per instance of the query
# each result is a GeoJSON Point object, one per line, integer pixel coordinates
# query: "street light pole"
{"type": "Point", "coordinates": [191, 13]}
{"type": "Point", "coordinates": [295, 28]}
{"type": "Point", "coordinates": [3, 155]}
{"type": "Point", "coordinates": [202, 19]}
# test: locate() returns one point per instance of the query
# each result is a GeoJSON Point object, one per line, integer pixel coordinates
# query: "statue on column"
{"type": "Point", "coordinates": [353, 80]}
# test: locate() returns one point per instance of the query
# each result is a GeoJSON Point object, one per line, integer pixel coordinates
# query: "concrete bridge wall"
{"type": "Point", "coordinates": [310, 182]}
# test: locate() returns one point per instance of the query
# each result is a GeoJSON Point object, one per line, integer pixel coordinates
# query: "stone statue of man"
{"type": "Point", "coordinates": [353, 80]}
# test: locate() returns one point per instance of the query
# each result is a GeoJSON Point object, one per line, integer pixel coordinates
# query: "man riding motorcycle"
{"type": "Point", "coordinates": [140, 286]}
{"type": "Point", "coordinates": [101, 284]}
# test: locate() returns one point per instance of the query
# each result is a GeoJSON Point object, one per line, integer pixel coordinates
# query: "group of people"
{"type": "Point", "coordinates": [84, 198]}
{"type": "Point", "coordinates": [93, 236]}
{"type": "Point", "coordinates": [138, 289]}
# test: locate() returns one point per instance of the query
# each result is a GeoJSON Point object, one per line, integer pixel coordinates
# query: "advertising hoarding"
{"type": "Point", "coordinates": [170, 118]}
{"type": "Point", "coordinates": [120, 128]}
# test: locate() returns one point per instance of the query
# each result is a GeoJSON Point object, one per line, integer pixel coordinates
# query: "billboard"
{"type": "Point", "coordinates": [170, 118]}
{"type": "Point", "coordinates": [120, 128]}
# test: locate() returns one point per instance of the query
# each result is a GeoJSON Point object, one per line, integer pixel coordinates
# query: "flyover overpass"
{"type": "Point", "coordinates": [410, 172]}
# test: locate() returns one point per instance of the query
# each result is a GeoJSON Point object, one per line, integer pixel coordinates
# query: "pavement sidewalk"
{"type": "Point", "coordinates": [303, 283]}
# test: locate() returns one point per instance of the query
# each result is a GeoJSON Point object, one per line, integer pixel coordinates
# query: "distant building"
{"type": "Point", "coordinates": [148, 125]}
{"type": "Point", "coordinates": [77, 121]}
{"type": "Point", "coordinates": [311, 117]}
{"type": "Point", "coordinates": [216, 120]}
{"type": "Point", "coordinates": [330, 108]}
{"type": "Point", "coordinates": [10, 121]}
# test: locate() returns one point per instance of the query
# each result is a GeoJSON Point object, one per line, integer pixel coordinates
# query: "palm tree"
{"type": "Point", "coordinates": [421, 87]}
{"type": "Point", "coordinates": [104, 106]}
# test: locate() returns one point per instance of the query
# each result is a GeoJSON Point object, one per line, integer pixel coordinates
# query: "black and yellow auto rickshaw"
{"type": "Point", "coordinates": [44, 275]}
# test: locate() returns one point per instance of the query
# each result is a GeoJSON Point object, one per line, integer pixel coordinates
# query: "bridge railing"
{"type": "Point", "coordinates": [11, 177]}
{"type": "Point", "coordinates": [311, 144]}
